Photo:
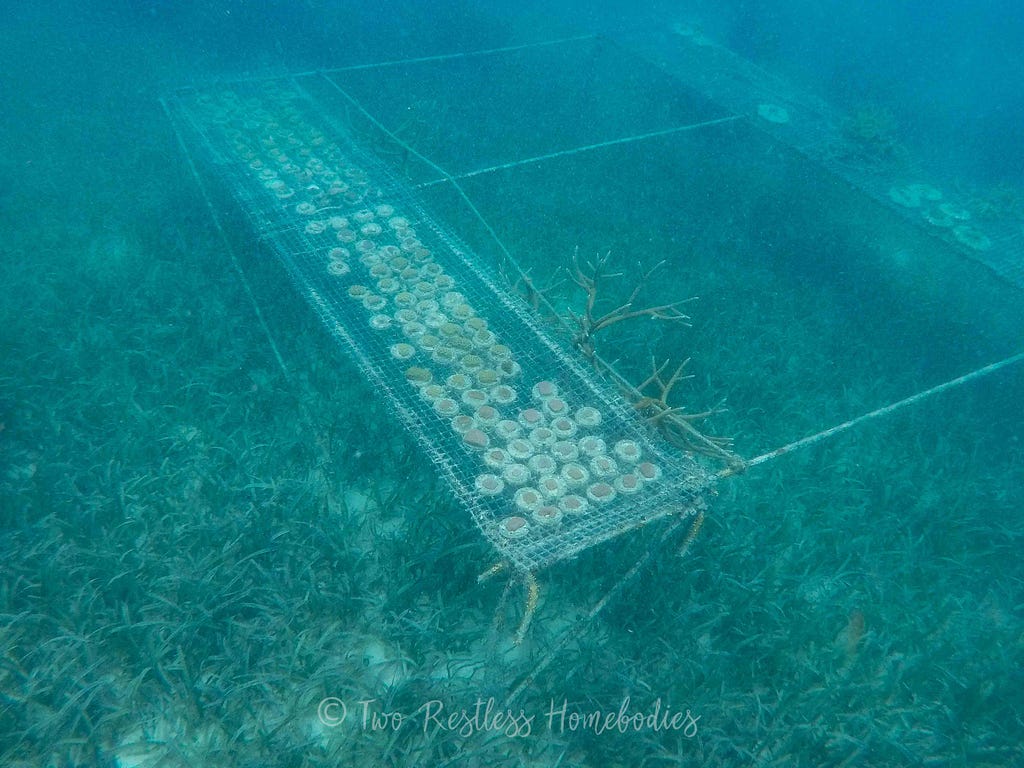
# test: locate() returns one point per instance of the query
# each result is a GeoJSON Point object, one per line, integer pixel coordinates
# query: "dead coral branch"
{"type": "Point", "coordinates": [651, 397]}
{"type": "Point", "coordinates": [589, 324]}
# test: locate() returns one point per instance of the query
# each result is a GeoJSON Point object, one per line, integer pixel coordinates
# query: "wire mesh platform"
{"type": "Point", "coordinates": [548, 458]}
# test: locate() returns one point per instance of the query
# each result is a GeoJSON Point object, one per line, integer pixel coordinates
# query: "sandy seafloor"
{"type": "Point", "coordinates": [198, 545]}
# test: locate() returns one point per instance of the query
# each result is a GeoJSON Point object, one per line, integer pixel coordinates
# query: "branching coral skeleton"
{"type": "Point", "coordinates": [589, 325]}
{"type": "Point", "coordinates": [651, 397]}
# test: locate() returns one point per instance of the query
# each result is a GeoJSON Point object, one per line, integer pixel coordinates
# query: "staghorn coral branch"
{"type": "Point", "coordinates": [588, 326]}
{"type": "Point", "coordinates": [674, 422]}
{"type": "Point", "coordinates": [664, 387]}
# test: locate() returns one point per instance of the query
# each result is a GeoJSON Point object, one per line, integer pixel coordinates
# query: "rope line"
{"type": "Point", "coordinates": [450, 56]}
{"type": "Point", "coordinates": [817, 437]}
{"type": "Point", "coordinates": [227, 243]}
{"type": "Point", "coordinates": [579, 149]}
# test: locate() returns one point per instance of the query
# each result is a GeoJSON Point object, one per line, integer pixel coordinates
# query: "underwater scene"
{"type": "Point", "coordinates": [415, 383]}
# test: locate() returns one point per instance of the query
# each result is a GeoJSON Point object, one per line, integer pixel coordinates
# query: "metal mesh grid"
{"type": "Point", "coordinates": [816, 130]}
{"type": "Point", "coordinates": [547, 458]}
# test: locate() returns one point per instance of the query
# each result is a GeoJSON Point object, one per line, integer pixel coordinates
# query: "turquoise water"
{"type": "Point", "coordinates": [202, 545]}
